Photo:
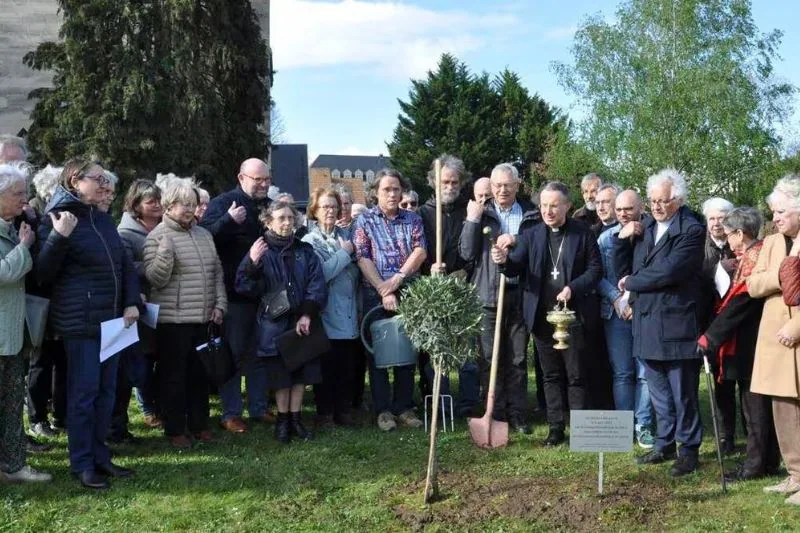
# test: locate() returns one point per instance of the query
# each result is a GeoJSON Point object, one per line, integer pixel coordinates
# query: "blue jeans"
{"type": "Point", "coordinates": [91, 388]}
{"type": "Point", "coordinates": [469, 386]}
{"type": "Point", "coordinates": [239, 325]}
{"type": "Point", "coordinates": [146, 392]}
{"type": "Point", "coordinates": [629, 385]}
{"type": "Point", "coordinates": [674, 389]}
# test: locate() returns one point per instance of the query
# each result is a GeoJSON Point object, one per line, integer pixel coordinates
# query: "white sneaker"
{"type": "Point", "coordinates": [386, 421]}
{"type": "Point", "coordinates": [27, 474]}
{"type": "Point", "coordinates": [787, 486]}
{"type": "Point", "coordinates": [410, 419]}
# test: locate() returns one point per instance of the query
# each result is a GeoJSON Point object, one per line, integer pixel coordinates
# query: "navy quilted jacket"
{"type": "Point", "coordinates": [91, 275]}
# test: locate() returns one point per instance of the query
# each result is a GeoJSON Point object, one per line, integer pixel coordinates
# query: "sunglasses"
{"type": "Point", "coordinates": [408, 204]}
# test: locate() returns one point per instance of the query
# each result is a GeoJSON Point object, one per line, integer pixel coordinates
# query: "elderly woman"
{"type": "Point", "coordinates": [281, 267]}
{"type": "Point", "coordinates": [410, 201]}
{"type": "Point", "coordinates": [84, 261]}
{"type": "Point", "coordinates": [340, 316]}
{"type": "Point", "coordinates": [345, 221]}
{"type": "Point", "coordinates": [730, 341]}
{"type": "Point", "coordinates": [142, 213]}
{"type": "Point", "coordinates": [777, 363]}
{"type": "Point", "coordinates": [391, 248]}
{"type": "Point", "coordinates": [202, 203]}
{"type": "Point", "coordinates": [107, 192]}
{"type": "Point", "coordinates": [15, 263]}
{"type": "Point", "coordinates": [186, 281]}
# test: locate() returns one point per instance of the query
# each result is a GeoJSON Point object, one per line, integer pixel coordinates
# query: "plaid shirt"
{"type": "Point", "coordinates": [510, 219]}
{"type": "Point", "coordinates": [387, 242]}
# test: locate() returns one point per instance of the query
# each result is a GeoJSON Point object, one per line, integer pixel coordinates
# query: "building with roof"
{"type": "Point", "coordinates": [351, 170]}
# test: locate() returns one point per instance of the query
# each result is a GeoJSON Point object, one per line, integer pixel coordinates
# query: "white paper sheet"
{"type": "Point", "coordinates": [150, 316]}
{"type": "Point", "coordinates": [115, 337]}
{"type": "Point", "coordinates": [722, 280]}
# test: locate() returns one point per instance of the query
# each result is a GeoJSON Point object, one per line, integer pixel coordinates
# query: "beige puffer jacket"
{"type": "Point", "coordinates": [185, 273]}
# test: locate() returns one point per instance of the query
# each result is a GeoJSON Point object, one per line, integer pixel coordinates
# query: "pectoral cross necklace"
{"type": "Point", "coordinates": [555, 272]}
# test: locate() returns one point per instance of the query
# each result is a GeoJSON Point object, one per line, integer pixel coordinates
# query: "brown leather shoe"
{"type": "Point", "coordinates": [152, 421]}
{"type": "Point", "coordinates": [180, 441]}
{"type": "Point", "coordinates": [234, 425]}
{"type": "Point", "coordinates": [204, 436]}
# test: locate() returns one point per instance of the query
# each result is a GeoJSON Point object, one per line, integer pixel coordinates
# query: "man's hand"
{"type": "Point", "coordinates": [499, 255]}
{"type": "Point", "coordinates": [216, 316]}
{"type": "Point", "coordinates": [258, 249]}
{"type": "Point", "coordinates": [390, 302]}
{"type": "Point", "coordinates": [390, 285]}
{"type": "Point", "coordinates": [439, 268]}
{"type": "Point", "coordinates": [619, 307]}
{"type": "Point", "coordinates": [303, 326]}
{"type": "Point", "coordinates": [237, 213]}
{"type": "Point", "coordinates": [631, 228]}
{"type": "Point", "coordinates": [506, 241]}
{"type": "Point", "coordinates": [26, 235]}
{"type": "Point", "coordinates": [64, 222]}
{"type": "Point", "coordinates": [564, 295]}
{"type": "Point", "coordinates": [621, 284]}
{"type": "Point", "coordinates": [627, 313]}
{"type": "Point", "coordinates": [130, 315]}
{"type": "Point", "coordinates": [475, 210]}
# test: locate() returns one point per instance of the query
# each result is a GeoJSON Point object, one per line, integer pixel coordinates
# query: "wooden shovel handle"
{"type": "Point", "coordinates": [498, 329]}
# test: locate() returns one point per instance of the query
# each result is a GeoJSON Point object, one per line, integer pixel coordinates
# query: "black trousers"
{"type": "Point", "coordinates": [763, 454]}
{"type": "Point", "coordinates": [562, 368]}
{"type": "Point", "coordinates": [334, 394]}
{"type": "Point", "coordinates": [47, 379]}
{"type": "Point", "coordinates": [359, 375]}
{"type": "Point", "coordinates": [725, 396]}
{"type": "Point", "coordinates": [182, 378]}
{"type": "Point", "coordinates": [512, 373]}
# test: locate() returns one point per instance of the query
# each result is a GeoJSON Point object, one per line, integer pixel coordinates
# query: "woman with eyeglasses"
{"type": "Point", "coordinates": [187, 282]}
{"type": "Point", "coordinates": [410, 201]}
{"type": "Point", "coordinates": [93, 280]}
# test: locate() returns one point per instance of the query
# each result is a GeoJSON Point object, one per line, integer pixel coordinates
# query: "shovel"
{"type": "Point", "coordinates": [485, 431]}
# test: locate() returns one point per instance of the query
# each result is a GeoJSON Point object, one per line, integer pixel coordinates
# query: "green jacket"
{"type": "Point", "coordinates": [15, 262]}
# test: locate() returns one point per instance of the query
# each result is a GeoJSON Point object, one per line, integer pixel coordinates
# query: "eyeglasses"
{"type": "Point", "coordinates": [329, 207]}
{"type": "Point", "coordinates": [100, 179]}
{"type": "Point", "coordinates": [404, 205]}
{"type": "Point", "coordinates": [661, 203]}
{"type": "Point", "coordinates": [259, 181]}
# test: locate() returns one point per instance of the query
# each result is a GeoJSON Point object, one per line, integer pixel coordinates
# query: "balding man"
{"type": "Point", "coordinates": [232, 218]}
{"type": "Point", "coordinates": [482, 190]}
{"type": "Point", "coordinates": [629, 384]}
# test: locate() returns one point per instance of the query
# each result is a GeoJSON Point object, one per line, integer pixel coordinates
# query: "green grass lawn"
{"type": "Point", "coordinates": [365, 480]}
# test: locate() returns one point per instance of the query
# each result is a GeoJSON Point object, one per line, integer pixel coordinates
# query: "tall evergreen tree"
{"type": "Point", "coordinates": [483, 121]}
{"type": "Point", "coordinates": [154, 86]}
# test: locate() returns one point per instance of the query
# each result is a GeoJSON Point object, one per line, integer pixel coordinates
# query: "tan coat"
{"type": "Point", "coordinates": [775, 367]}
{"type": "Point", "coordinates": [185, 273]}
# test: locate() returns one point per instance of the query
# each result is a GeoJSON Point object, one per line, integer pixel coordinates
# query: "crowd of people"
{"type": "Point", "coordinates": [655, 288]}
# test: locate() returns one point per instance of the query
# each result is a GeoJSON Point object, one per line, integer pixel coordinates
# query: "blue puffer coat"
{"type": "Point", "coordinates": [296, 268]}
{"type": "Point", "coordinates": [90, 273]}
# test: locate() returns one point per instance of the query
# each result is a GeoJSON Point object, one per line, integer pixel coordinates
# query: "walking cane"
{"type": "Point", "coordinates": [710, 385]}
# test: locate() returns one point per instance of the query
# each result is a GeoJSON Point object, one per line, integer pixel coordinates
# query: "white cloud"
{"type": "Point", "coordinates": [560, 33]}
{"type": "Point", "coordinates": [397, 39]}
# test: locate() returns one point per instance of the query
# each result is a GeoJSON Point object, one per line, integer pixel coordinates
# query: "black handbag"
{"type": "Point", "coordinates": [216, 357]}
{"type": "Point", "coordinates": [275, 303]}
{"type": "Point", "coordinates": [297, 350]}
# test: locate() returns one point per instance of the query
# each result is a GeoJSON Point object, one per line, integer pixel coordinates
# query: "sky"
{"type": "Point", "coordinates": [342, 65]}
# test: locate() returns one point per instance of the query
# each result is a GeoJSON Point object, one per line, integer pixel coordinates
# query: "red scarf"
{"type": "Point", "coordinates": [747, 262]}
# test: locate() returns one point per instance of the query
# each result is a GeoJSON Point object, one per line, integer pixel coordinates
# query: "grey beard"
{"type": "Point", "coordinates": [449, 198]}
{"type": "Point", "coordinates": [590, 206]}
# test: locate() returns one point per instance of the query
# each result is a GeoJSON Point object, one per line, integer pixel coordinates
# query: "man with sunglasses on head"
{"type": "Point", "coordinates": [232, 218]}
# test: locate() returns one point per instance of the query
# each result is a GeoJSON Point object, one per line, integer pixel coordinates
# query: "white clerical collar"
{"type": "Point", "coordinates": [719, 244]}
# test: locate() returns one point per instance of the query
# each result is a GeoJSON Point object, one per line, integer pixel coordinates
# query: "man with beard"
{"type": "Point", "coordinates": [590, 184]}
{"type": "Point", "coordinates": [718, 252]}
{"type": "Point", "coordinates": [232, 218]}
{"type": "Point", "coordinates": [557, 261]}
{"type": "Point", "coordinates": [454, 212]}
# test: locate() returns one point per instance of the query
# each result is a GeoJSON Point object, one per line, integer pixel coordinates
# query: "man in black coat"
{"type": "Point", "coordinates": [660, 260]}
{"type": "Point", "coordinates": [590, 185]}
{"type": "Point", "coordinates": [232, 218]}
{"type": "Point", "coordinates": [454, 212]}
{"type": "Point", "coordinates": [557, 261]}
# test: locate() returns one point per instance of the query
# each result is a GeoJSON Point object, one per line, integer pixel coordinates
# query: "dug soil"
{"type": "Point", "coordinates": [466, 503]}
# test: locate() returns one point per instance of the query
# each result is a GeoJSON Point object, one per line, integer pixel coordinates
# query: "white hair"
{"type": "Point", "coordinates": [590, 177]}
{"type": "Point", "coordinates": [163, 179]}
{"type": "Point", "coordinates": [413, 194]}
{"type": "Point", "coordinates": [10, 175]}
{"type": "Point", "coordinates": [717, 204]}
{"type": "Point", "coordinates": [671, 177]}
{"type": "Point", "coordinates": [13, 140]}
{"type": "Point", "coordinates": [788, 186]}
{"type": "Point", "coordinates": [507, 168]}
{"type": "Point", "coordinates": [46, 180]}
{"type": "Point", "coordinates": [178, 190]}
{"type": "Point", "coordinates": [112, 178]}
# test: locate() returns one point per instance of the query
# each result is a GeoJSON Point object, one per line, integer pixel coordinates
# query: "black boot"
{"type": "Point", "coordinates": [298, 429]}
{"type": "Point", "coordinates": [282, 430]}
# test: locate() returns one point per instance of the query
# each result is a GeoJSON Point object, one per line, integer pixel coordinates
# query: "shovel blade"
{"type": "Point", "coordinates": [488, 433]}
